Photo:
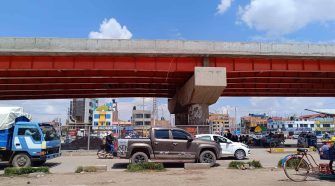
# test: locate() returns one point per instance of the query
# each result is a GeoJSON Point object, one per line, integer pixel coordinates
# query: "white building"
{"type": "Point", "coordinates": [288, 125]}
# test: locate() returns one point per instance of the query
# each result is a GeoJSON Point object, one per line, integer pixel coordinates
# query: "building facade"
{"type": "Point", "coordinates": [250, 122]}
{"type": "Point", "coordinates": [81, 110]}
{"type": "Point", "coordinates": [221, 122]}
{"type": "Point", "coordinates": [141, 121]}
{"type": "Point", "coordinates": [318, 123]}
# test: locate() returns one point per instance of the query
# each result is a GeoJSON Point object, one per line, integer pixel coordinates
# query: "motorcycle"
{"type": "Point", "coordinates": [105, 154]}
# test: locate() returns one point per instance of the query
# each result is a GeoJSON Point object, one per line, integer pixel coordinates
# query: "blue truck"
{"type": "Point", "coordinates": [24, 143]}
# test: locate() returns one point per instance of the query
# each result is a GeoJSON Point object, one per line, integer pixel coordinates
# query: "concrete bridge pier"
{"type": "Point", "coordinates": [191, 102]}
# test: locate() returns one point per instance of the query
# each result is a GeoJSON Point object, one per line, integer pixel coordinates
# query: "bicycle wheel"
{"type": "Point", "coordinates": [296, 169]}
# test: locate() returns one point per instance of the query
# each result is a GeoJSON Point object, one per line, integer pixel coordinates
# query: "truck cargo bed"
{"type": "Point", "coordinates": [5, 138]}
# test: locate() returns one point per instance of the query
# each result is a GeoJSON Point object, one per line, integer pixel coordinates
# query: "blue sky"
{"type": "Point", "coordinates": [217, 20]}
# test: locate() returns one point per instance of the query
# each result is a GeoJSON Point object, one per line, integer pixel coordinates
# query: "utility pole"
{"type": "Point", "coordinates": [143, 119]}
{"type": "Point", "coordinates": [154, 110]}
{"type": "Point", "coordinates": [235, 121]}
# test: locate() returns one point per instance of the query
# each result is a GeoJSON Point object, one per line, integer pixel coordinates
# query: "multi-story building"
{"type": "Point", "coordinates": [250, 122]}
{"type": "Point", "coordinates": [103, 119]}
{"type": "Point", "coordinates": [81, 110]}
{"type": "Point", "coordinates": [221, 122]}
{"type": "Point", "coordinates": [318, 123]}
{"type": "Point", "coordinates": [141, 120]}
{"type": "Point", "coordinates": [290, 125]}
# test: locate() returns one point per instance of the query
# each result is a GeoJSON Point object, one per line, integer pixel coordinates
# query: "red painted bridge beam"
{"type": "Point", "coordinates": [86, 86]}
{"type": "Point", "coordinates": [82, 95]}
{"type": "Point", "coordinates": [167, 64]}
{"type": "Point", "coordinates": [172, 87]}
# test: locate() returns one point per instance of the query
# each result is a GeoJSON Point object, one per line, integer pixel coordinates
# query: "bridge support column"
{"type": "Point", "coordinates": [190, 104]}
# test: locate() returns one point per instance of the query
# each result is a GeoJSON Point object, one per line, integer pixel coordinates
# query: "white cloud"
{"type": "Point", "coordinates": [111, 29]}
{"type": "Point", "coordinates": [223, 6]}
{"type": "Point", "coordinates": [42, 110]}
{"type": "Point", "coordinates": [280, 17]}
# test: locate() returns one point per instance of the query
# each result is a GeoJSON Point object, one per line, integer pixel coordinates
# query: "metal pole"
{"type": "Point", "coordinates": [89, 136]}
{"type": "Point", "coordinates": [143, 119]}
{"type": "Point", "coordinates": [235, 121]}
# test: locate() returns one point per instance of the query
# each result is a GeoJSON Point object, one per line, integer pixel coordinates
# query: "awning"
{"type": "Point", "coordinates": [323, 111]}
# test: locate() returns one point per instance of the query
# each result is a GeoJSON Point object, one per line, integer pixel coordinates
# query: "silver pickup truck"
{"type": "Point", "coordinates": [168, 145]}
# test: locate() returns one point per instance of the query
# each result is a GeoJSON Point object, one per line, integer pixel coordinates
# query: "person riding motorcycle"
{"type": "Point", "coordinates": [110, 139]}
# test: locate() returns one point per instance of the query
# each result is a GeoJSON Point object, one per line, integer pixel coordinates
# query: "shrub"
{"type": "Point", "coordinates": [11, 171]}
{"type": "Point", "coordinates": [256, 164]}
{"type": "Point", "coordinates": [239, 164]}
{"type": "Point", "coordinates": [145, 166]}
{"type": "Point", "coordinates": [90, 169]}
{"type": "Point", "coordinates": [236, 164]}
{"type": "Point", "coordinates": [79, 169]}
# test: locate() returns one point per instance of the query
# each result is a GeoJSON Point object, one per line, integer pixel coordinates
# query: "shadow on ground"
{"type": "Point", "coordinates": [166, 165]}
{"type": "Point", "coordinates": [50, 165]}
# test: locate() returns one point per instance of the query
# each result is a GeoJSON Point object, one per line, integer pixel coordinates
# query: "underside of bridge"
{"type": "Point", "coordinates": [42, 68]}
{"type": "Point", "coordinates": [51, 77]}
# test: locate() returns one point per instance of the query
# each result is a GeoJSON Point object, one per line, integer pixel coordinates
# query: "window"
{"type": "Point", "coordinates": [180, 135]}
{"type": "Point", "coordinates": [312, 125]}
{"type": "Point", "coordinates": [220, 139]}
{"type": "Point", "coordinates": [96, 116]}
{"type": "Point", "coordinates": [206, 138]}
{"type": "Point", "coordinates": [108, 123]}
{"type": "Point", "coordinates": [138, 115]}
{"type": "Point", "coordinates": [95, 123]}
{"type": "Point", "coordinates": [139, 123]}
{"type": "Point", "coordinates": [301, 125]}
{"type": "Point", "coordinates": [326, 125]}
{"type": "Point", "coordinates": [147, 115]}
{"type": "Point", "coordinates": [108, 116]}
{"type": "Point", "coordinates": [290, 126]}
{"type": "Point", "coordinates": [33, 132]}
{"type": "Point", "coordinates": [162, 134]}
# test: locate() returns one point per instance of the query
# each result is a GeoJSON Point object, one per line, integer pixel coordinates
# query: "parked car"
{"type": "Point", "coordinates": [306, 139]}
{"type": "Point", "coordinates": [295, 136]}
{"type": "Point", "coordinates": [229, 148]}
{"type": "Point", "coordinates": [168, 145]}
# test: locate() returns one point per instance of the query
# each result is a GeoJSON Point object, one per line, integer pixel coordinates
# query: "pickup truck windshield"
{"type": "Point", "coordinates": [49, 133]}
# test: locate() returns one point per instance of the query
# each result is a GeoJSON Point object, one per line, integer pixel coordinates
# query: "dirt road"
{"type": "Point", "coordinates": [214, 176]}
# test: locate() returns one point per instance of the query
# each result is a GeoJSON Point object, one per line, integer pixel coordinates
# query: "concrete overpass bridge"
{"type": "Point", "coordinates": [194, 74]}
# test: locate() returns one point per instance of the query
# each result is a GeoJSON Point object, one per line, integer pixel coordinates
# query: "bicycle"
{"type": "Point", "coordinates": [298, 167]}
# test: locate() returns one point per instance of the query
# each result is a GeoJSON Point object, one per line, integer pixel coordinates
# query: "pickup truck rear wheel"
{"type": "Point", "coordinates": [21, 160]}
{"type": "Point", "coordinates": [207, 157]}
{"type": "Point", "coordinates": [139, 157]}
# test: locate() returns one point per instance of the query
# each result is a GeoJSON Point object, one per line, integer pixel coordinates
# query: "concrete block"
{"type": "Point", "coordinates": [25, 43]}
{"type": "Point", "coordinates": [68, 45]}
{"type": "Point", "coordinates": [192, 166]}
{"type": "Point", "coordinates": [198, 46]}
{"type": "Point", "coordinates": [42, 43]}
{"type": "Point", "coordinates": [169, 45]}
{"type": "Point", "coordinates": [277, 150]}
{"type": "Point", "coordinates": [104, 44]}
{"type": "Point", "coordinates": [210, 76]}
{"type": "Point", "coordinates": [7, 43]}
